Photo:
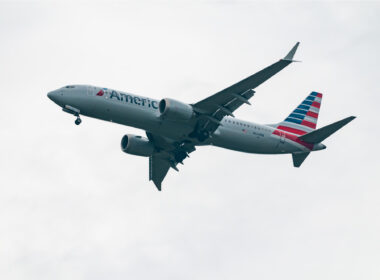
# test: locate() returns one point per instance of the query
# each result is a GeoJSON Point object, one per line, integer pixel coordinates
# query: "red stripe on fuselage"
{"type": "Point", "coordinates": [312, 114]}
{"type": "Point", "coordinates": [294, 138]}
{"type": "Point", "coordinates": [292, 130]}
{"type": "Point", "coordinates": [309, 124]}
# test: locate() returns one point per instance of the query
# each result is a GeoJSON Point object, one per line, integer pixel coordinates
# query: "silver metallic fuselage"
{"type": "Point", "coordinates": [141, 112]}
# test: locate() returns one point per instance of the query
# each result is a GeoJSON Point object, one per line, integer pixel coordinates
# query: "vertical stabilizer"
{"type": "Point", "coordinates": [304, 118]}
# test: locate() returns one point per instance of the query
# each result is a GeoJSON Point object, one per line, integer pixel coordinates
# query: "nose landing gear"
{"type": "Point", "coordinates": [74, 111]}
{"type": "Point", "coordinates": [78, 120]}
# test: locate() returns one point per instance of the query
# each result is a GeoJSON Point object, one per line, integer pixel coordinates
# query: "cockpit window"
{"type": "Point", "coordinates": [69, 86]}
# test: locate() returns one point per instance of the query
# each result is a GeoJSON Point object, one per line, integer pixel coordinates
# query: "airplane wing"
{"type": "Point", "coordinates": [210, 112]}
{"type": "Point", "coordinates": [214, 108]}
{"type": "Point", "coordinates": [168, 154]}
{"type": "Point", "coordinates": [158, 168]}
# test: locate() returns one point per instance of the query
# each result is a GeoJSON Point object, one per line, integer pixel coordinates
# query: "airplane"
{"type": "Point", "coordinates": [174, 129]}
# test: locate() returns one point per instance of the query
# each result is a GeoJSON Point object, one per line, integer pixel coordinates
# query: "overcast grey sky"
{"type": "Point", "coordinates": [73, 206]}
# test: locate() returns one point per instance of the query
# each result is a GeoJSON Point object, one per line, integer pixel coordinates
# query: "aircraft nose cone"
{"type": "Point", "coordinates": [53, 95]}
{"type": "Point", "coordinates": [56, 96]}
{"type": "Point", "coordinates": [50, 95]}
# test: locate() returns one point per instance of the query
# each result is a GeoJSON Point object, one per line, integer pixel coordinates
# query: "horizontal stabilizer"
{"type": "Point", "coordinates": [298, 158]}
{"type": "Point", "coordinates": [317, 136]}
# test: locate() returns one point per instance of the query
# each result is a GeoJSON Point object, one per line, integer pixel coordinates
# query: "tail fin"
{"type": "Point", "coordinates": [304, 118]}
{"type": "Point", "coordinates": [317, 136]}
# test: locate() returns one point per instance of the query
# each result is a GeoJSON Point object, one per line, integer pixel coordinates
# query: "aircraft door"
{"type": "Point", "coordinates": [282, 137]}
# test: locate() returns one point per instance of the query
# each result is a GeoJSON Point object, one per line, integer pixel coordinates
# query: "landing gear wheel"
{"type": "Point", "coordinates": [78, 121]}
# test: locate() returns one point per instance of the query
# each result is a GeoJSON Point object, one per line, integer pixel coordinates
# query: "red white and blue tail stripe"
{"type": "Point", "coordinates": [302, 120]}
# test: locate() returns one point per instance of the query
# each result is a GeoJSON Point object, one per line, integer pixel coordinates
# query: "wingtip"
{"type": "Point", "coordinates": [350, 118]}
{"type": "Point", "coordinates": [158, 185]}
{"type": "Point", "coordinates": [292, 52]}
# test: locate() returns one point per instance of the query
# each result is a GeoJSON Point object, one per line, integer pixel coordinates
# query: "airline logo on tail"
{"type": "Point", "coordinates": [302, 120]}
{"type": "Point", "coordinates": [305, 115]}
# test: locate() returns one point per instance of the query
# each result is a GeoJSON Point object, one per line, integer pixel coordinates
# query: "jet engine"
{"type": "Point", "coordinates": [136, 145]}
{"type": "Point", "coordinates": [175, 110]}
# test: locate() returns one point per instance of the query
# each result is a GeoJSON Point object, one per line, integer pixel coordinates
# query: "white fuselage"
{"type": "Point", "coordinates": [141, 112]}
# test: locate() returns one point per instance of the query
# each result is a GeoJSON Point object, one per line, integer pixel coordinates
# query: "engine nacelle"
{"type": "Point", "coordinates": [175, 110]}
{"type": "Point", "coordinates": [136, 145]}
